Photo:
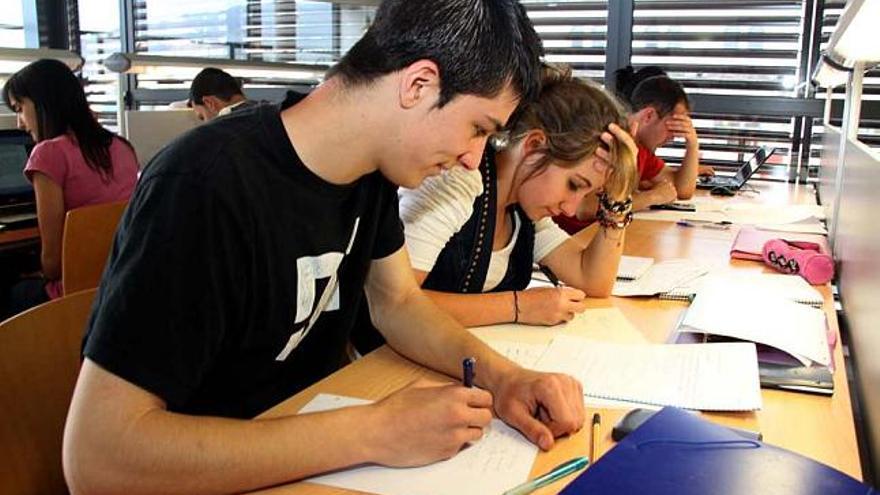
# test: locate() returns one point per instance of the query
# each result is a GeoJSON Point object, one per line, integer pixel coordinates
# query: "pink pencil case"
{"type": "Point", "coordinates": [801, 258]}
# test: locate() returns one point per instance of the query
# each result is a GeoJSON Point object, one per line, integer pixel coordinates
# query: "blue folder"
{"type": "Point", "coordinates": [676, 452]}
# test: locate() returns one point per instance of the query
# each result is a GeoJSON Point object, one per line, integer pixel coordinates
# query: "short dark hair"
{"type": "Point", "coordinates": [478, 45]}
{"type": "Point", "coordinates": [650, 86]}
{"type": "Point", "coordinates": [212, 81]}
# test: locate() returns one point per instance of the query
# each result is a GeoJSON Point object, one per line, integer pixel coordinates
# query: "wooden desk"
{"type": "Point", "coordinates": [818, 427]}
{"type": "Point", "coordinates": [17, 237]}
{"type": "Point", "coordinates": [13, 236]}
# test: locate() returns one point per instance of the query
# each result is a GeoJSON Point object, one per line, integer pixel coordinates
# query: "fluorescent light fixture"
{"type": "Point", "coordinates": [14, 59]}
{"type": "Point", "coordinates": [162, 67]}
{"type": "Point", "coordinates": [855, 37]}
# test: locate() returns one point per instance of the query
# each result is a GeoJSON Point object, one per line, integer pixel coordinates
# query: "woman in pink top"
{"type": "Point", "coordinates": [76, 162]}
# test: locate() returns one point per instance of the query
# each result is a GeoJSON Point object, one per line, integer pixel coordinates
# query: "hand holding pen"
{"type": "Point", "coordinates": [426, 421]}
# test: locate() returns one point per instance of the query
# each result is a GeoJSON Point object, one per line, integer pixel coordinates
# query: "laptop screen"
{"type": "Point", "coordinates": [14, 149]}
{"type": "Point", "coordinates": [754, 163]}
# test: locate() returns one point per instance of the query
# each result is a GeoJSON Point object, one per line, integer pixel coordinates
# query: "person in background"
{"type": "Point", "coordinates": [660, 107]}
{"type": "Point", "coordinates": [214, 93]}
{"type": "Point", "coordinates": [244, 255]}
{"type": "Point", "coordinates": [76, 162]}
{"type": "Point", "coordinates": [473, 236]}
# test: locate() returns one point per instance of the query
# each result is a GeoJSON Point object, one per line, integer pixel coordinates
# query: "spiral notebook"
{"type": "Point", "coordinates": [633, 267]}
{"type": "Point", "coordinates": [706, 377]}
{"type": "Point", "coordinates": [791, 287]}
{"type": "Point", "coordinates": [660, 278]}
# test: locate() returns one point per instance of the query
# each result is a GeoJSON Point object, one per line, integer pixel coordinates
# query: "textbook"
{"type": "Point", "coordinates": [678, 453]}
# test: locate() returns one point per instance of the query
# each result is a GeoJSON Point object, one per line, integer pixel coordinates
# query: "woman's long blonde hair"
{"type": "Point", "coordinates": [573, 113]}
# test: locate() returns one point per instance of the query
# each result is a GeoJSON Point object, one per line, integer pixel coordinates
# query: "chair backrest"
{"type": "Point", "coordinates": [39, 364]}
{"type": "Point", "coordinates": [88, 235]}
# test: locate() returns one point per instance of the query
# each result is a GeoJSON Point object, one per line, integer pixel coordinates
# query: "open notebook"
{"type": "Point", "coordinates": [709, 377]}
{"type": "Point", "coordinates": [791, 287]}
{"type": "Point", "coordinates": [660, 278]}
{"type": "Point", "coordinates": [633, 267]}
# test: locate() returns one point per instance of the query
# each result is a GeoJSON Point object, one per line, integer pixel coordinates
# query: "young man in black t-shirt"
{"type": "Point", "coordinates": [240, 262]}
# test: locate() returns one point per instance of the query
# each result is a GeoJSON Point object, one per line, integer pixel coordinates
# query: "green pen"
{"type": "Point", "coordinates": [559, 471]}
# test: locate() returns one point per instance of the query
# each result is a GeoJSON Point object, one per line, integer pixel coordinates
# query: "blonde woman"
{"type": "Point", "coordinates": [473, 235]}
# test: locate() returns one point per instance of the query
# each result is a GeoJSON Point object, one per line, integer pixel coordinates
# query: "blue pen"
{"type": "Point", "coordinates": [467, 371]}
{"type": "Point", "coordinates": [559, 471]}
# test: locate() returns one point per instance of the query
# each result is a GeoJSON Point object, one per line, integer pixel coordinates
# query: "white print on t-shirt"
{"type": "Point", "coordinates": [309, 269]}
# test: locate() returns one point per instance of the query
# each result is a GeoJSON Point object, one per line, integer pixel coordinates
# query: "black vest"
{"type": "Point", "coordinates": [463, 264]}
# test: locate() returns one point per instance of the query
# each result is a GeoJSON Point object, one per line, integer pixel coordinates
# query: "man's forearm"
{"type": "Point", "coordinates": [111, 447]}
{"type": "Point", "coordinates": [417, 328]}
{"type": "Point", "coordinates": [686, 176]}
{"type": "Point", "coordinates": [471, 310]}
{"type": "Point", "coordinates": [642, 200]}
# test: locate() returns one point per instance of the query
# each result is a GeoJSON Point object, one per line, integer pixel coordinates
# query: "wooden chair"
{"type": "Point", "coordinates": [39, 364]}
{"type": "Point", "coordinates": [88, 235]}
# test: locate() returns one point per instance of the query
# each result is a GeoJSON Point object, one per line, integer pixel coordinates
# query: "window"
{"type": "Point", "coordinates": [12, 33]}
{"type": "Point", "coordinates": [267, 30]}
{"type": "Point", "coordinates": [99, 37]}
{"type": "Point", "coordinates": [728, 49]}
{"type": "Point", "coordinates": [573, 32]}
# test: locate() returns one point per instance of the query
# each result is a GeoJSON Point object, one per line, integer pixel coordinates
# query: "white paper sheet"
{"type": "Point", "coordinates": [523, 354]}
{"type": "Point", "coordinates": [661, 277]}
{"type": "Point", "coordinates": [738, 284]}
{"type": "Point", "coordinates": [502, 459]}
{"type": "Point", "coordinates": [740, 213]}
{"type": "Point", "coordinates": [607, 324]}
{"type": "Point", "coordinates": [633, 267]}
{"type": "Point", "coordinates": [760, 316]}
{"type": "Point", "coordinates": [721, 377]}
{"type": "Point", "coordinates": [805, 227]}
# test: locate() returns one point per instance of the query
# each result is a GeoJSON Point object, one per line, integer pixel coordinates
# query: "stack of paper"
{"type": "Point", "coordinates": [712, 377]}
{"type": "Point", "coordinates": [740, 284]}
{"type": "Point", "coordinates": [501, 459]}
{"type": "Point", "coordinates": [660, 277]}
{"type": "Point", "coordinates": [761, 317]}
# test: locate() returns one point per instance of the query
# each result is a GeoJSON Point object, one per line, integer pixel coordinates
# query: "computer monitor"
{"type": "Point", "coordinates": [15, 146]}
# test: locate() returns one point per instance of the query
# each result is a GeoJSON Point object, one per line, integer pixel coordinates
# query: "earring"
{"type": "Point", "coordinates": [500, 140]}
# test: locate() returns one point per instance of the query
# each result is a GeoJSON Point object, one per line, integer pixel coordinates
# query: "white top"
{"type": "Point", "coordinates": [500, 259]}
{"type": "Point", "coordinates": [438, 209]}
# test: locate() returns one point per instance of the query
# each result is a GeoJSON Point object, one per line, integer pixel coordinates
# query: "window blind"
{"type": "Point", "coordinates": [741, 49]}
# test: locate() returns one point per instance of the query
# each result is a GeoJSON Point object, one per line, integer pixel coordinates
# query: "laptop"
{"type": "Point", "coordinates": [17, 204]}
{"type": "Point", "coordinates": [742, 175]}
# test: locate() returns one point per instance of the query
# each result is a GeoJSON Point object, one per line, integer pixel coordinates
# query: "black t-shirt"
{"type": "Point", "coordinates": [228, 249]}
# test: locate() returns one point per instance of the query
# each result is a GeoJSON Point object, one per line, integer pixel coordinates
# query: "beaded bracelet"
{"type": "Point", "coordinates": [615, 207]}
{"type": "Point", "coordinates": [614, 214]}
{"type": "Point", "coordinates": [607, 221]}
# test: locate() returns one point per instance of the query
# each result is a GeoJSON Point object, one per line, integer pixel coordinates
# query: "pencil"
{"type": "Point", "coordinates": [594, 434]}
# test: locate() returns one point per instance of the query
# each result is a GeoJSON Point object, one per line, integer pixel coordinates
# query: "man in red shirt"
{"type": "Point", "coordinates": [660, 112]}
